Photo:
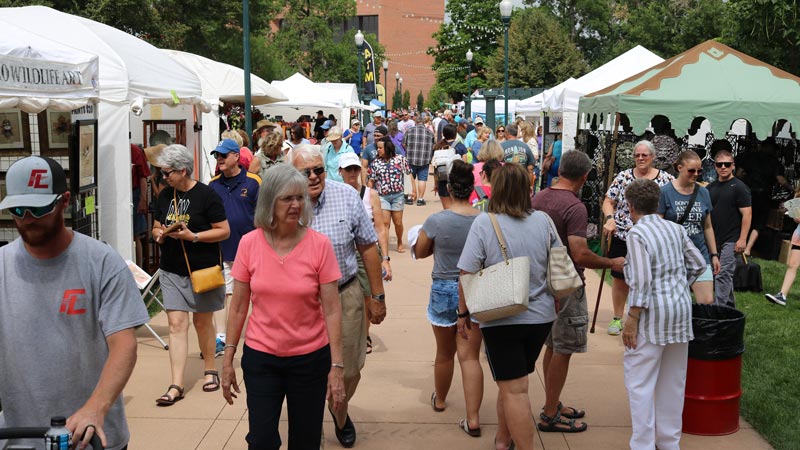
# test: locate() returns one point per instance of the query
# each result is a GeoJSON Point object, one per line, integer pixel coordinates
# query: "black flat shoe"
{"type": "Point", "coordinates": [347, 434]}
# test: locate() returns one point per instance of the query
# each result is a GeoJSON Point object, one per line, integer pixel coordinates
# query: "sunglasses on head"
{"type": "Point", "coordinates": [695, 171]}
{"type": "Point", "coordinates": [723, 164]}
{"type": "Point", "coordinates": [318, 171]}
{"type": "Point", "coordinates": [37, 212]}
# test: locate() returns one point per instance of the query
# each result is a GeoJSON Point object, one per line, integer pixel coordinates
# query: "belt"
{"type": "Point", "coordinates": [344, 285]}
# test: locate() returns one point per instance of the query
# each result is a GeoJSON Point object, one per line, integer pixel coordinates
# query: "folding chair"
{"type": "Point", "coordinates": [150, 295]}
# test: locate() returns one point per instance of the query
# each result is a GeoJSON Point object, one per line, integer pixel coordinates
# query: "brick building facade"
{"type": "Point", "coordinates": [405, 29]}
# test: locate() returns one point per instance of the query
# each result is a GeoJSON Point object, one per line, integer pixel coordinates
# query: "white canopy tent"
{"type": "Point", "coordinates": [133, 73]}
{"type": "Point", "coordinates": [307, 97]}
{"type": "Point", "coordinates": [563, 99]}
{"type": "Point", "coordinates": [221, 83]}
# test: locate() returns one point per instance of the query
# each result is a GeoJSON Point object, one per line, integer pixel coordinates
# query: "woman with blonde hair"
{"type": "Point", "coordinates": [481, 136]}
{"type": "Point", "coordinates": [269, 153]}
{"type": "Point", "coordinates": [490, 150]}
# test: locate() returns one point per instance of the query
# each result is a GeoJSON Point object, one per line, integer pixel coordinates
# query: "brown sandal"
{"type": "Point", "coordinates": [214, 382]}
{"type": "Point", "coordinates": [166, 400]}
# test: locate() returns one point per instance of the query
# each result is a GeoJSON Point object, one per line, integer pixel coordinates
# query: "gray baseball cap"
{"type": "Point", "coordinates": [33, 181]}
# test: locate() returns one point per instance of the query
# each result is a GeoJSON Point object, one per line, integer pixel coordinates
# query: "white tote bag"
{"type": "Point", "coordinates": [500, 290]}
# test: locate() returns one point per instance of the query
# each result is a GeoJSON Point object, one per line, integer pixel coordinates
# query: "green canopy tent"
{"type": "Point", "coordinates": [712, 81]}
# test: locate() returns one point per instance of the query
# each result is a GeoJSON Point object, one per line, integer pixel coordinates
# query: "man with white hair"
{"type": "Point", "coordinates": [339, 214]}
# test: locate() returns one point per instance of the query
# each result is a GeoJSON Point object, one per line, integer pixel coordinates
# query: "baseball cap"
{"type": "Point", "coordinates": [34, 181]}
{"type": "Point", "coordinates": [326, 125]}
{"type": "Point", "coordinates": [382, 130]}
{"type": "Point", "coordinates": [462, 120]}
{"type": "Point", "coordinates": [355, 121]}
{"type": "Point", "coordinates": [478, 120]}
{"type": "Point", "coordinates": [377, 114]}
{"type": "Point", "coordinates": [226, 146]}
{"type": "Point", "coordinates": [349, 159]}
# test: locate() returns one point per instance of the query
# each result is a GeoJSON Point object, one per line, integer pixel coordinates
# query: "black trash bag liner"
{"type": "Point", "coordinates": [718, 332]}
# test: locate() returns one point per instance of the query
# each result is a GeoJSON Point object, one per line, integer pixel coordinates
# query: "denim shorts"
{"type": "Point", "coordinates": [443, 304]}
{"type": "Point", "coordinates": [393, 202]}
{"type": "Point", "coordinates": [420, 172]}
{"type": "Point", "coordinates": [707, 275]}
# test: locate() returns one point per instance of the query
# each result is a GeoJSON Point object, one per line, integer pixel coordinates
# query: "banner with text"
{"type": "Point", "coordinates": [369, 72]}
{"type": "Point", "coordinates": [39, 78]}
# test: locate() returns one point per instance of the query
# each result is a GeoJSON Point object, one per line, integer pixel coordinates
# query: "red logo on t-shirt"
{"type": "Point", "coordinates": [35, 181]}
{"type": "Point", "coordinates": [68, 302]}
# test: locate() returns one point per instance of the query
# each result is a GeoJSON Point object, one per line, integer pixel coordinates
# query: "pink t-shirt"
{"type": "Point", "coordinates": [287, 317]}
{"type": "Point", "coordinates": [473, 198]}
{"type": "Point", "coordinates": [476, 173]}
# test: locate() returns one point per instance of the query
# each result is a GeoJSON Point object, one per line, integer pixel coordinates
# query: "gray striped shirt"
{"type": "Point", "coordinates": [661, 264]}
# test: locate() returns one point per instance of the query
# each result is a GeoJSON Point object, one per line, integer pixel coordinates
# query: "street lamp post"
{"type": "Point", "coordinates": [396, 85]}
{"type": "Point", "coordinates": [359, 38]}
{"type": "Point", "coordinates": [468, 100]}
{"type": "Point", "coordinates": [505, 15]}
{"type": "Point", "coordinates": [401, 92]}
{"type": "Point", "coordinates": [385, 82]}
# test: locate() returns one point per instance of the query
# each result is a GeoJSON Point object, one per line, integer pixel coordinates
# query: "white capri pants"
{"type": "Point", "coordinates": [655, 377]}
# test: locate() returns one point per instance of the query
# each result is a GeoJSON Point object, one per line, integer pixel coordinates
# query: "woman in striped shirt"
{"type": "Point", "coordinates": [661, 264]}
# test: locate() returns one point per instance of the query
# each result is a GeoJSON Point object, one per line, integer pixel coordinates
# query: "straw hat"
{"type": "Point", "coordinates": [153, 153]}
{"type": "Point", "coordinates": [265, 123]}
{"type": "Point", "coordinates": [334, 133]}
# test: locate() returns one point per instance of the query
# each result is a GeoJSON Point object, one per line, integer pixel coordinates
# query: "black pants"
{"type": "Point", "coordinates": [302, 380]}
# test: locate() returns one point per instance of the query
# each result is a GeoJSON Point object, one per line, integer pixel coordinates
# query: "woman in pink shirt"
{"type": "Point", "coordinates": [293, 346]}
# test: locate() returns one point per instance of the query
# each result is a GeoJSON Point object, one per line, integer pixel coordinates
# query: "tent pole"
{"type": "Point", "coordinates": [610, 165]}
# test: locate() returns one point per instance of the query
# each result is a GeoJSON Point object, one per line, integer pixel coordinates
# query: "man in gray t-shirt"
{"type": "Point", "coordinates": [69, 307]}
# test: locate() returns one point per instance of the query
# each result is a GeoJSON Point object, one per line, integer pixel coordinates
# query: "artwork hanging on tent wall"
{"type": "Point", "coordinates": [556, 123]}
{"type": "Point", "coordinates": [11, 130]}
{"type": "Point", "coordinates": [59, 129]}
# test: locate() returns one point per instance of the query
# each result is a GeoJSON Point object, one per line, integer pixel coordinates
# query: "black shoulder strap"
{"type": "Point", "coordinates": [363, 190]}
{"type": "Point", "coordinates": [689, 206]}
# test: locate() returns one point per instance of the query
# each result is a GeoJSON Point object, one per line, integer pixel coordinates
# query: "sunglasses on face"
{"type": "Point", "coordinates": [37, 212]}
{"type": "Point", "coordinates": [167, 173]}
{"type": "Point", "coordinates": [723, 164]}
{"type": "Point", "coordinates": [501, 131]}
{"type": "Point", "coordinates": [222, 155]}
{"type": "Point", "coordinates": [695, 171]}
{"type": "Point", "coordinates": [641, 155]}
{"type": "Point", "coordinates": [318, 171]}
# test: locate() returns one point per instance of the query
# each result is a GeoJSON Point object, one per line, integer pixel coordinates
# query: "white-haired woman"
{"type": "Point", "coordinates": [201, 214]}
{"type": "Point", "coordinates": [293, 346]}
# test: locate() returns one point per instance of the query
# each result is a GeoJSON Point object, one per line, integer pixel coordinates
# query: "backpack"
{"type": "Point", "coordinates": [482, 204]}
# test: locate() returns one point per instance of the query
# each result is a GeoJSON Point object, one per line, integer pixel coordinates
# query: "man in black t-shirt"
{"type": "Point", "coordinates": [318, 132]}
{"type": "Point", "coordinates": [731, 220]}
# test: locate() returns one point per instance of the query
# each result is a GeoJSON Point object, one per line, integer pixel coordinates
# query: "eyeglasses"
{"type": "Point", "coordinates": [318, 171]}
{"type": "Point", "coordinates": [166, 173]}
{"type": "Point", "coordinates": [641, 155]}
{"type": "Point", "coordinates": [36, 211]}
{"type": "Point", "coordinates": [695, 171]}
{"type": "Point", "coordinates": [723, 164]}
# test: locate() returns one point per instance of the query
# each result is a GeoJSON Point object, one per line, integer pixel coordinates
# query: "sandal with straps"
{"type": "Point", "coordinates": [214, 382]}
{"type": "Point", "coordinates": [166, 400]}
{"type": "Point", "coordinates": [558, 424]}
{"type": "Point", "coordinates": [575, 414]}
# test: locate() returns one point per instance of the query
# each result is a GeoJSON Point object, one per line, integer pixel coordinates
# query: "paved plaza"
{"type": "Point", "coordinates": [391, 408]}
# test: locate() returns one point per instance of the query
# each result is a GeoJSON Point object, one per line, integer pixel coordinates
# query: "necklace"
{"type": "Point", "coordinates": [271, 240]}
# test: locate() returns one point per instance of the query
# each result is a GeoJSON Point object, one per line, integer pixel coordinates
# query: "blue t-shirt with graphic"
{"type": "Point", "coordinates": [672, 206]}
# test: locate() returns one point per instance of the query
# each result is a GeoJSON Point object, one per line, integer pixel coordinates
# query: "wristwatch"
{"type": "Point", "coordinates": [196, 238]}
{"type": "Point", "coordinates": [609, 217]}
{"type": "Point", "coordinates": [379, 297]}
{"type": "Point", "coordinates": [387, 258]}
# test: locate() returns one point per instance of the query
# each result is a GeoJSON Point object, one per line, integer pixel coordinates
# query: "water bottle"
{"type": "Point", "coordinates": [58, 436]}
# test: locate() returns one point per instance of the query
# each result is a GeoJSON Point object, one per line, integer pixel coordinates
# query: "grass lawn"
{"type": "Point", "coordinates": [771, 361]}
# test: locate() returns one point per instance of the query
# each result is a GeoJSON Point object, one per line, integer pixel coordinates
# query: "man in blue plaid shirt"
{"type": "Point", "coordinates": [340, 215]}
{"type": "Point", "coordinates": [418, 142]}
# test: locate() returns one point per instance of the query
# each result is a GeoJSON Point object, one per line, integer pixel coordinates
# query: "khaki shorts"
{"type": "Point", "coordinates": [569, 332]}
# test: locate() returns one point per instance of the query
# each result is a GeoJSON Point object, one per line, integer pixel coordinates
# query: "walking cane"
{"type": "Point", "coordinates": [604, 244]}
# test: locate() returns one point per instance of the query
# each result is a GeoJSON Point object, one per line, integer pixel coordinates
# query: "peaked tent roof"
{"type": "Point", "coordinates": [710, 80]}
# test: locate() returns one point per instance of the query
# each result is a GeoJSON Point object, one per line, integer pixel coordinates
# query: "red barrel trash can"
{"type": "Point", "coordinates": [714, 371]}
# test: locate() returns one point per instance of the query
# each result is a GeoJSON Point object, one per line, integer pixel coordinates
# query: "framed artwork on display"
{"type": "Point", "coordinates": [59, 129]}
{"type": "Point", "coordinates": [11, 130]}
{"type": "Point", "coordinates": [86, 173]}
